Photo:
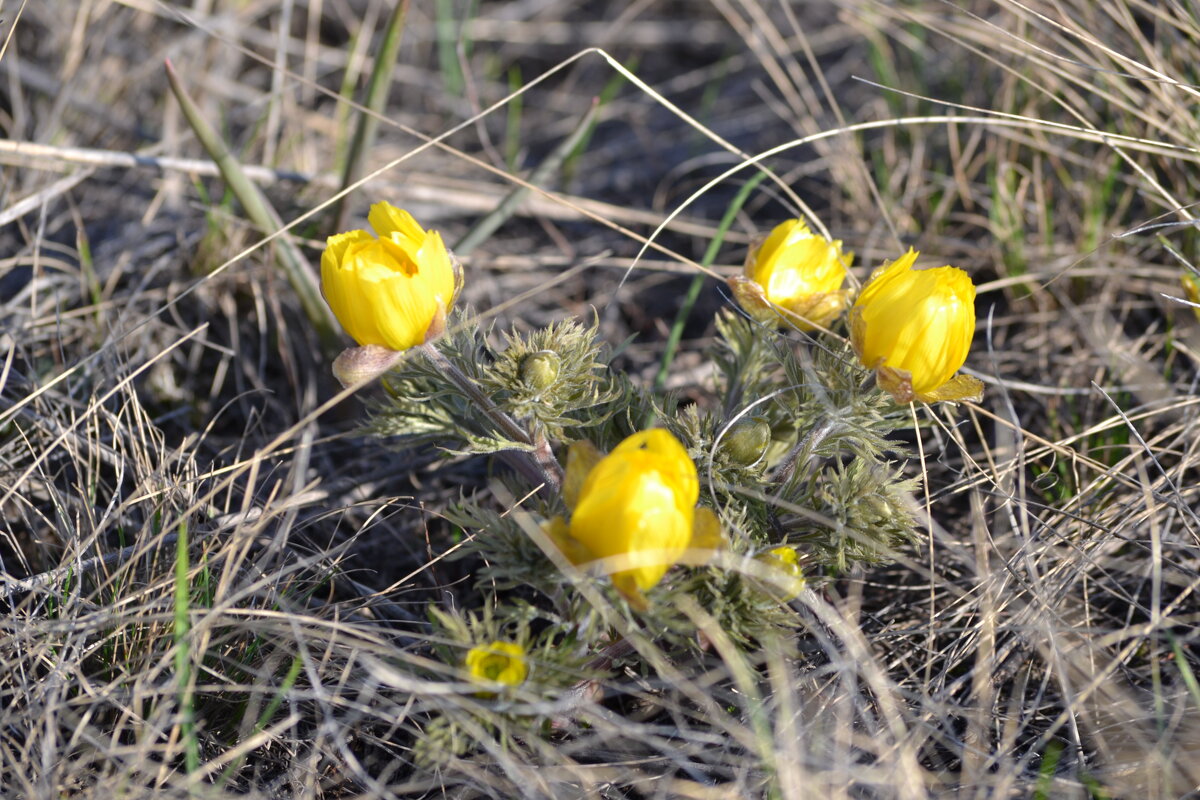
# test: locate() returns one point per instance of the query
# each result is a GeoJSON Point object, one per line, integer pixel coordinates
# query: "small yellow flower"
{"type": "Point", "coordinates": [914, 328]}
{"type": "Point", "coordinates": [497, 664]}
{"type": "Point", "coordinates": [794, 276]}
{"type": "Point", "coordinates": [635, 508]}
{"type": "Point", "coordinates": [790, 582]}
{"type": "Point", "coordinates": [392, 290]}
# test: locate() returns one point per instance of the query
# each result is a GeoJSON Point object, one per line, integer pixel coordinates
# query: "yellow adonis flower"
{"type": "Point", "coordinates": [794, 276]}
{"type": "Point", "coordinates": [497, 664]}
{"type": "Point", "coordinates": [393, 289]}
{"type": "Point", "coordinates": [635, 509]}
{"type": "Point", "coordinates": [914, 328]}
{"type": "Point", "coordinates": [790, 581]}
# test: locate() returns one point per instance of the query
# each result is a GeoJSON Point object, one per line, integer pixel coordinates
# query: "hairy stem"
{"type": "Point", "coordinates": [538, 464]}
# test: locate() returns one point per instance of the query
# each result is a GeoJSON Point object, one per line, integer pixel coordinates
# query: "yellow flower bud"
{"type": "Point", "coordinates": [391, 290]}
{"type": "Point", "coordinates": [636, 508]}
{"type": "Point", "coordinates": [497, 664]}
{"type": "Point", "coordinates": [789, 583]}
{"type": "Point", "coordinates": [800, 272]}
{"type": "Point", "coordinates": [914, 328]}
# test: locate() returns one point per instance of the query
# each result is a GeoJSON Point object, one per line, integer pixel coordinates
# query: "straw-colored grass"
{"type": "Point", "coordinates": [210, 584]}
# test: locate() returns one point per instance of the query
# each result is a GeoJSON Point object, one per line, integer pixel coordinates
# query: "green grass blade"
{"type": "Point", "coordinates": [373, 106]}
{"type": "Point", "coordinates": [512, 125]}
{"type": "Point", "coordinates": [297, 269]}
{"type": "Point", "coordinates": [488, 224]}
{"type": "Point", "coordinates": [447, 48]}
{"type": "Point", "coordinates": [693, 292]}
{"type": "Point", "coordinates": [285, 686]}
{"type": "Point", "coordinates": [183, 655]}
{"type": "Point", "coordinates": [606, 95]}
{"type": "Point", "coordinates": [1185, 670]}
{"type": "Point", "coordinates": [1046, 773]}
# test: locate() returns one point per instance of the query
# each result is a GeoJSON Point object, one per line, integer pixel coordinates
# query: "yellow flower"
{"type": "Point", "coordinates": [914, 328]}
{"type": "Point", "coordinates": [636, 509]}
{"type": "Point", "coordinates": [499, 663]}
{"type": "Point", "coordinates": [392, 290]}
{"type": "Point", "coordinates": [790, 582]}
{"type": "Point", "coordinates": [800, 272]}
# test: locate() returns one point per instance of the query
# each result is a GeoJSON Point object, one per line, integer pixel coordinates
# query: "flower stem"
{"type": "Point", "coordinates": [806, 447]}
{"type": "Point", "coordinates": [537, 464]}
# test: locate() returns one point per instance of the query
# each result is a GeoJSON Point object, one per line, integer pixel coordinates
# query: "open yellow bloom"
{"type": "Point", "coordinates": [800, 272]}
{"type": "Point", "coordinates": [497, 664]}
{"type": "Point", "coordinates": [636, 509]}
{"type": "Point", "coordinates": [392, 290]}
{"type": "Point", "coordinates": [914, 328]}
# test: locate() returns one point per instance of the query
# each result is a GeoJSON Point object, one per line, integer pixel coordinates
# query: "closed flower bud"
{"type": "Point", "coordinates": [746, 441]}
{"type": "Point", "coordinates": [795, 276]}
{"type": "Point", "coordinates": [880, 507]}
{"type": "Point", "coordinates": [497, 665]}
{"type": "Point", "coordinates": [392, 289]}
{"type": "Point", "coordinates": [635, 509]}
{"type": "Point", "coordinates": [540, 370]}
{"type": "Point", "coordinates": [787, 582]}
{"type": "Point", "coordinates": [914, 328]}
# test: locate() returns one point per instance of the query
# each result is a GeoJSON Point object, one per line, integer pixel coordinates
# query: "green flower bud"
{"type": "Point", "coordinates": [881, 507]}
{"type": "Point", "coordinates": [746, 441]}
{"type": "Point", "coordinates": [539, 370]}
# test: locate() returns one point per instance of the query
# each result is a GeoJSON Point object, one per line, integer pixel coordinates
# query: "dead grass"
{"type": "Point", "coordinates": [158, 379]}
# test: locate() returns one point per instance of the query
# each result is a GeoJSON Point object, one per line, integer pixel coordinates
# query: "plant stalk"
{"type": "Point", "coordinates": [297, 269]}
{"type": "Point", "coordinates": [538, 464]}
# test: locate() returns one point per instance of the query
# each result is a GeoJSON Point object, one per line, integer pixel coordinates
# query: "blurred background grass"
{"type": "Point", "coordinates": [208, 578]}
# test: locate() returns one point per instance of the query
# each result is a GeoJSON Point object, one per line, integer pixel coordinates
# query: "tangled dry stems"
{"type": "Point", "coordinates": [1044, 638]}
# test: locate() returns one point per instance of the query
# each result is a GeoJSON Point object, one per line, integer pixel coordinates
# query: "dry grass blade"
{"type": "Point", "coordinates": [300, 274]}
{"type": "Point", "coordinates": [1043, 642]}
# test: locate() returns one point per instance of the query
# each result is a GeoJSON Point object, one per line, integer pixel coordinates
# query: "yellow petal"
{"type": "Point", "coordinates": [918, 324]}
{"type": "Point", "coordinates": [582, 456]}
{"type": "Point", "coordinates": [960, 387]}
{"type": "Point", "coordinates": [399, 305]}
{"type": "Point", "coordinates": [707, 538]}
{"type": "Point", "coordinates": [497, 662]}
{"type": "Point", "coordinates": [753, 300]}
{"type": "Point", "coordinates": [391, 291]}
{"type": "Point", "coordinates": [630, 515]}
{"type": "Point", "coordinates": [387, 220]}
{"type": "Point", "coordinates": [335, 248]}
{"type": "Point", "coordinates": [800, 271]}
{"type": "Point", "coordinates": [344, 289]}
{"type": "Point", "coordinates": [572, 549]}
{"type": "Point", "coordinates": [636, 507]}
{"type": "Point", "coordinates": [788, 579]}
{"type": "Point", "coordinates": [666, 455]}
{"type": "Point", "coordinates": [765, 257]}
{"type": "Point", "coordinates": [437, 268]}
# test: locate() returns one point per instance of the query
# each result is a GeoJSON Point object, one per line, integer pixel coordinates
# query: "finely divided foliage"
{"type": "Point", "coordinates": [928, 534]}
